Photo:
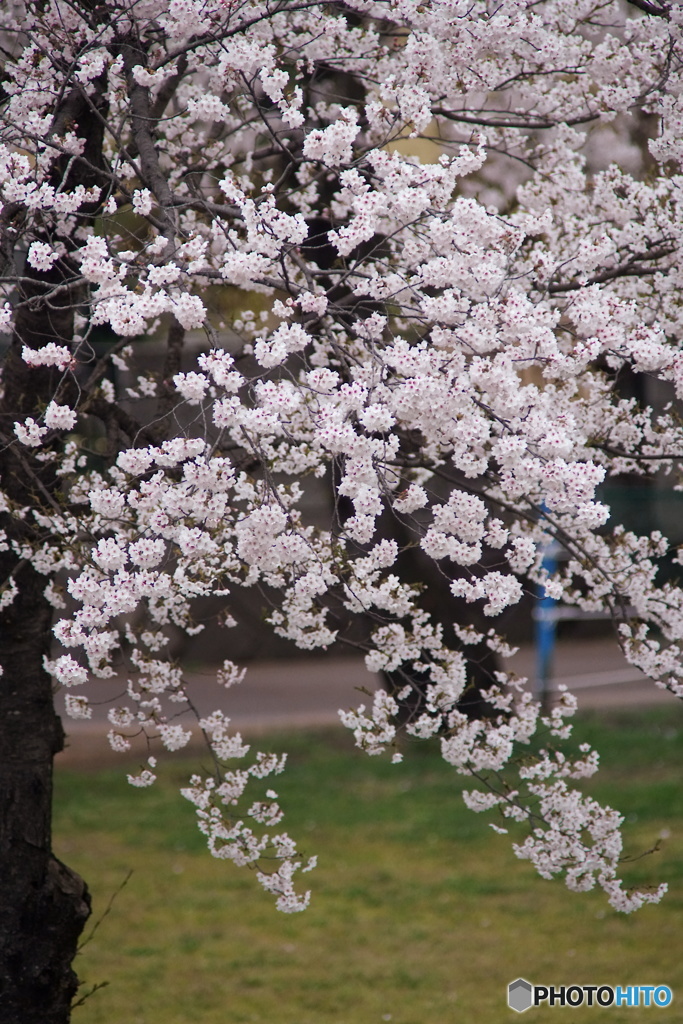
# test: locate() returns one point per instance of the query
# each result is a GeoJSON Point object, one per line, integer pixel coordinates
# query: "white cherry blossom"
{"type": "Point", "coordinates": [236, 281]}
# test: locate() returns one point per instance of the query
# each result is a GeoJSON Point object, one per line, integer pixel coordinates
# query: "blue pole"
{"type": "Point", "coordinates": [545, 630]}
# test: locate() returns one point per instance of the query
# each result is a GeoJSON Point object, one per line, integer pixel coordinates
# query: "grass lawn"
{"type": "Point", "coordinates": [420, 915]}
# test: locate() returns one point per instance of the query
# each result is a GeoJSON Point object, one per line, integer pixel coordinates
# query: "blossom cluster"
{"type": "Point", "coordinates": [449, 284]}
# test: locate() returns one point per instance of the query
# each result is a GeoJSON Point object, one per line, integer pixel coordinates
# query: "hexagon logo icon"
{"type": "Point", "coordinates": [520, 995]}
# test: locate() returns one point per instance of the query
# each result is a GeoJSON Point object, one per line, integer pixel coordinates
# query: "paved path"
{"type": "Point", "coordinates": [595, 670]}
{"type": "Point", "coordinates": [299, 694]}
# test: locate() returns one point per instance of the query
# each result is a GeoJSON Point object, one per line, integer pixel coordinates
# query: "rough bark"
{"type": "Point", "coordinates": [43, 904]}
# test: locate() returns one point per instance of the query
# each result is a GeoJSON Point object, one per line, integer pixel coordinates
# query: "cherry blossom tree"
{"type": "Point", "coordinates": [413, 245]}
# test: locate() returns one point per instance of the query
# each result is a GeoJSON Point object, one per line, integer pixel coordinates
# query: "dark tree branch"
{"type": "Point", "coordinates": [656, 9]}
{"type": "Point", "coordinates": [169, 397]}
{"type": "Point", "coordinates": [141, 126]}
{"type": "Point", "coordinates": [633, 267]}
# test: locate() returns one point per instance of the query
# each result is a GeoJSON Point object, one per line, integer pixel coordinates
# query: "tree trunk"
{"type": "Point", "coordinates": [43, 904]}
